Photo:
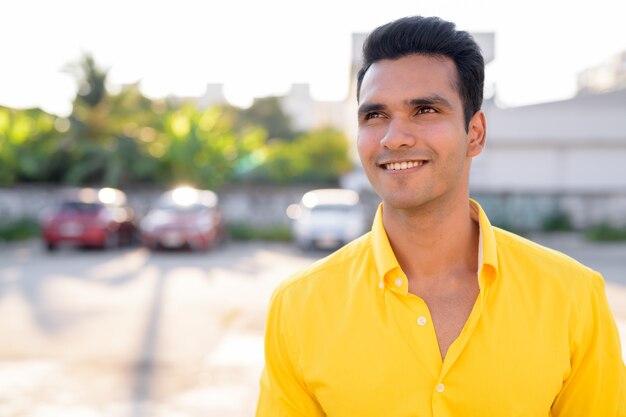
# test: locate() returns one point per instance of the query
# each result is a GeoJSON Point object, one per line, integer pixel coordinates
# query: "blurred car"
{"type": "Point", "coordinates": [184, 217]}
{"type": "Point", "coordinates": [89, 217]}
{"type": "Point", "coordinates": [327, 218]}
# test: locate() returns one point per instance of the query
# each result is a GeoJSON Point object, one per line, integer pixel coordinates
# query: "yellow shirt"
{"type": "Point", "coordinates": [345, 338]}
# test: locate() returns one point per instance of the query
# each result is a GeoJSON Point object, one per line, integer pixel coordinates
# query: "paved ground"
{"type": "Point", "coordinates": [134, 333]}
{"type": "Point", "coordinates": [140, 334]}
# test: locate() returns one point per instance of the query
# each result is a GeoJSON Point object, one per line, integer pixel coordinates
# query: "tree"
{"type": "Point", "coordinates": [203, 149]}
{"type": "Point", "coordinates": [125, 138]}
{"type": "Point", "coordinates": [104, 144]}
{"type": "Point", "coordinates": [84, 151]}
{"type": "Point", "coordinates": [319, 156]}
{"type": "Point", "coordinates": [266, 112]}
{"type": "Point", "coordinates": [27, 139]}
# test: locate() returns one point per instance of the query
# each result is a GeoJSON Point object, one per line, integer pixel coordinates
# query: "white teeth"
{"type": "Point", "coordinates": [397, 166]}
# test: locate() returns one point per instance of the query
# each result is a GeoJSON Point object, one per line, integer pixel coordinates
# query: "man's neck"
{"type": "Point", "coordinates": [434, 244]}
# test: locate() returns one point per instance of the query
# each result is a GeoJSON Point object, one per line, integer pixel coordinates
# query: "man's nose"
{"type": "Point", "coordinates": [398, 135]}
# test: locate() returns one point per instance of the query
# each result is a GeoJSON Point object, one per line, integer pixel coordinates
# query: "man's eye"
{"type": "Point", "coordinates": [423, 110]}
{"type": "Point", "coordinates": [372, 115]}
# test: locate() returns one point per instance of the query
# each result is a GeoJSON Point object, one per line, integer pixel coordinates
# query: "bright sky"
{"type": "Point", "coordinates": [260, 47]}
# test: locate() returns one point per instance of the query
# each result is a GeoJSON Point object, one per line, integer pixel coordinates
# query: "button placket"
{"type": "Point", "coordinates": [423, 337]}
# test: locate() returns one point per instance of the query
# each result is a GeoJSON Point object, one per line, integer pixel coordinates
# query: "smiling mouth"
{"type": "Point", "coordinates": [400, 166]}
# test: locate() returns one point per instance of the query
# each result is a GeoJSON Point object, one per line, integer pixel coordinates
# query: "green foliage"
{"type": "Point", "coordinates": [27, 139]}
{"type": "Point", "coordinates": [559, 221]}
{"type": "Point", "coordinates": [605, 232]}
{"type": "Point", "coordinates": [127, 139]}
{"type": "Point", "coordinates": [266, 112]}
{"type": "Point", "coordinates": [320, 156]}
{"type": "Point", "coordinates": [203, 150]}
{"type": "Point", "coordinates": [91, 81]}
{"type": "Point", "coordinates": [19, 230]}
{"type": "Point", "coordinates": [104, 144]}
{"type": "Point", "coordinates": [509, 226]}
{"type": "Point", "coordinates": [248, 232]}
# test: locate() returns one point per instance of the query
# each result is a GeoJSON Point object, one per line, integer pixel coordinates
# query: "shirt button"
{"type": "Point", "coordinates": [421, 320]}
{"type": "Point", "coordinates": [380, 284]}
{"type": "Point", "coordinates": [398, 282]}
{"type": "Point", "coordinates": [440, 387]}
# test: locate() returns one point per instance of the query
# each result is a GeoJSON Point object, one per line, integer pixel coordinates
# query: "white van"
{"type": "Point", "coordinates": [327, 218]}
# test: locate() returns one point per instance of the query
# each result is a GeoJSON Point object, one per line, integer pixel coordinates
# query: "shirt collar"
{"type": "Point", "coordinates": [383, 254]}
{"type": "Point", "coordinates": [487, 249]}
{"type": "Point", "coordinates": [386, 261]}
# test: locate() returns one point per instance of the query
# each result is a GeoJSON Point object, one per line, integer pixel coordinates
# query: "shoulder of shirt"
{"type": "Point", "coordinates": [544, 257]}
{"type": "Point", "coordinates": [329, 268]}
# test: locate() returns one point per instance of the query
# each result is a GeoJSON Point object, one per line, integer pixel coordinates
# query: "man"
{"type": "Point", "coordinates": [435, 312]}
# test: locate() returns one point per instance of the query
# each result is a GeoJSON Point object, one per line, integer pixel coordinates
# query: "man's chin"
{"type": "Point", "coordinates": [403, 202]}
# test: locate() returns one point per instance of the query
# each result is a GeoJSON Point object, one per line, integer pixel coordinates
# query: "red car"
{"type": "Point", "coordinates": [89, 217]}
{"type": "Point", "coordinates": [184, 217]}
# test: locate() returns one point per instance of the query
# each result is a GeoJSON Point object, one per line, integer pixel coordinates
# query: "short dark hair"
{"type": "Point", "coordinates": [430, 36]}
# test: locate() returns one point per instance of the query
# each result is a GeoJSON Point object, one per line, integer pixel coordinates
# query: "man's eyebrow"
{"type": "Point", "coordinates": [369, 107]}
{"type": "Point", "coordinates": [435, 99]}
{"type": "Point", "coordinates": [432, 100]}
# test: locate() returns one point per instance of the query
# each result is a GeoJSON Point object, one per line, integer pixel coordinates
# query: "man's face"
{"type": "Point", "coordinates": [411, 137]}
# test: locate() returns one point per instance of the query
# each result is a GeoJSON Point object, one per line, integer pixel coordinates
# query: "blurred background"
{"type": "Point", "coordinates": [164, 165]}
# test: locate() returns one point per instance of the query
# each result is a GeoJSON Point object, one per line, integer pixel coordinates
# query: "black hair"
{"type": "Point", "coordinates": [430, 36]}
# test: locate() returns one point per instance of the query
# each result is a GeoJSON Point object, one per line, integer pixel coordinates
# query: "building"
{"type": "Point", "coordinates": [563, 158]}
{"type": "Point", "coordinates": [608, 76]}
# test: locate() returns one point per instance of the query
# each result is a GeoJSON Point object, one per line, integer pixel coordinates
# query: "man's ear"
{"type": "Point", "coordinates": [476, 134]}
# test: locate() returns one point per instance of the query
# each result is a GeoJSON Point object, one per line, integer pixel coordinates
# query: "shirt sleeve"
{"type": "Point", "coordinates": [596, 384]}
{"type": "Point", "coordinates": [283, 391]}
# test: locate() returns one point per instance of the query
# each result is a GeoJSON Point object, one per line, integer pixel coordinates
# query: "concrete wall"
{"type": "Point", "coordinates": [529, 211]}
{"type": "Point", "coordinates": [264, 206]}
{"type": "Point", "coordinates": [543, 168]}
{"type": "Point", "coordinates": [258, 206]}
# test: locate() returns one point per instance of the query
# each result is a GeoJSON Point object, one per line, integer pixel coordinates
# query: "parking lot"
{"type": "Point", "coordinates": [129, 332]}
{"type": "Point", "coordinates": [135, 333]}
